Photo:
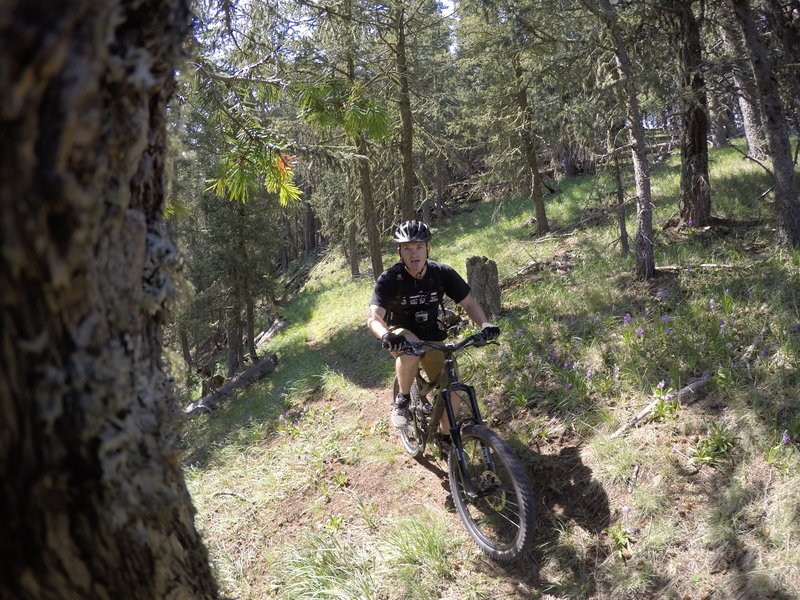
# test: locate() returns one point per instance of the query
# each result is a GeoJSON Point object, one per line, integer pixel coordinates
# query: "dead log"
{"type": "Point", "coordinates": [689, 390]}
{"type": "Point", "coordinates": [277, 325]}
{"type": "Point", "coordinates": [261, 369]}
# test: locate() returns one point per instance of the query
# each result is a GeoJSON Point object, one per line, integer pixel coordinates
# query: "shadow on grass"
{"type": "Point", "coordinates": [566, 496]}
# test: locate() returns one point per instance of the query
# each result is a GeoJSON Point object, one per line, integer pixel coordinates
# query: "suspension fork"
{"type": "Point", "coordinates": [455, 435]}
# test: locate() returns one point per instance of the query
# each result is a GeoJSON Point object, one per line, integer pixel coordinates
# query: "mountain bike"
{"type": "Point", "coordinates": [490, 489]}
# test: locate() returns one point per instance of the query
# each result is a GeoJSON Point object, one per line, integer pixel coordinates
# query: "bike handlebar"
{"type": "Point", "coordinates": [419, 348]}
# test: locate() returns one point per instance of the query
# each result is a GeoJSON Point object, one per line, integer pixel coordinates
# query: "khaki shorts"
{"type": "Point", "coordinates": [432, 361]}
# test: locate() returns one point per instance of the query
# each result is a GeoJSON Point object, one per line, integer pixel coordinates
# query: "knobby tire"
{"type": "Point", "coordinates": [502, 523]}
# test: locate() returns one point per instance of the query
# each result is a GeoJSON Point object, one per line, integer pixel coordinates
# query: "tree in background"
{"type": "Point", "coordinates": [787, 204]}
{"type": "Point", "coordinates": [94, 500]}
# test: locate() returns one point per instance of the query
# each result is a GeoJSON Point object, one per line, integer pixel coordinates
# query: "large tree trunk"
{"type": "Point", "coordinates": [695, 201]}
{"type": "Point", "coordinates": [787, 205]}
{"type": "Point", "coordinates": [94, 500]}
{"type": "Point", "coordinates": [526, 136]}
{"type": "Point", "coordinates": [406, 122]}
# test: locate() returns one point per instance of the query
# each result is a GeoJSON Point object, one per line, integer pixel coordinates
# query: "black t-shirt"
{"type": "Point", "coordinates": [414, 303]}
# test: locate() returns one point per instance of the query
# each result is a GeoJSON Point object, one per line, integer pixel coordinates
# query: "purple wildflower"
{"type": "Point", "coordinates": [786, 438]}
{"type": "Point", "coordinates": [665, 319]}
{"type": "Point", "coordinates": [667, 330]}
{"type": "Point", "coordinates": [518, 332]}
{"type": "Point", "coordinates": [661, 384]}
{"type": "Point", "coordinates": [626, 509]}
{"type": "Point", "coordinates": [663, 293]}
{"type": "Point", "coordinates": [627, 318]}
{"type": "Point", "coordinates": [689, 223]}
{"type": "Point", "coordinates": [722, 327]}
{"type": "Point", "coordinates": [589, 374]}
{"type": "Point", "coordinates": [711, 304]}
{"type": "Point", "coordinates": [641, 332]}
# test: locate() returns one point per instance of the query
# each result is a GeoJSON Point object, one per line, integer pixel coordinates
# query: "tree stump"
{"type": "Point", "coordinates": [482, 278]}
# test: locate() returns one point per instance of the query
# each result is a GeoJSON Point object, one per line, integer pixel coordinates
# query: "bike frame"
{"type": "Point", "coordinates": [442, 402]}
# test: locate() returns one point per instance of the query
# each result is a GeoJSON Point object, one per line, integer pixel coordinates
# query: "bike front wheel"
{"type": "Point", "coordinates": [412, 436]}
{"type": "Point", "coordinates": [501, 519]}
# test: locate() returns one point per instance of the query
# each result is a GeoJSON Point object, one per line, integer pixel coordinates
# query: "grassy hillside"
{"type": "Point", "coordinates": [303, 491]}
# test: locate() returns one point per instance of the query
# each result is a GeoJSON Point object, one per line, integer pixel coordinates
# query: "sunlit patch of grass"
{"type": "Point", "coordinates": [417, 554]}
{"type": "Point", "coordinates": [326, 566]}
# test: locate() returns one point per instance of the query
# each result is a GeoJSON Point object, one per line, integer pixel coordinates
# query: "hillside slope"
{"type": "Point", "coordinates": [303, 491]}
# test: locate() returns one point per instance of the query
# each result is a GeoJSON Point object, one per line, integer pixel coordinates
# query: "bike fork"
{"type": "Point", "coordinates": [455, 436]}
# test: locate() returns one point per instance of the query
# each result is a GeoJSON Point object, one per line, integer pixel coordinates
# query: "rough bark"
{"type": "Point", "coordinates": [526, 136]}
{"type": "Point", "coordinates": [482, 278]}
{"type": "Point", "coordinates": [94, 500]}
{"type": "Point", "coordinates": [406, 121]}
{"type": "Point", "coordinates": [695, 200]}
{"type": "Point", "coordinates": [787, 204]}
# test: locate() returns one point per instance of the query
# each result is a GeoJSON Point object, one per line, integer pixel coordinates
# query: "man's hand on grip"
{"type": "Point", "coordinates": [393, 341]}
{"type": "Point", "coordinates": [490, 332]}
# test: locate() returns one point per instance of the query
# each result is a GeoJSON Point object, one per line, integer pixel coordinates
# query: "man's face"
{"type": "Point", "coordinates": [413, 255]}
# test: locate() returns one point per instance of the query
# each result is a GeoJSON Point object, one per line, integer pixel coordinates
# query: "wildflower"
{"type": "Point", "coordinates": [626, 509]}
{"type": "Point", "coordinates": [641, 332]}
{"type": "Point", "coordinates": [518, 332]}
{"type": "Point", "coordinates": [589, 374]}
{"type": "Point", "coordinates": [616, 369]}
{"type": "Point", "coordinates": [662, 293]}
{"type": "Point", "coordinates": [749, 293]}
{"type": "Point", "coordinates": [661, 384]}
{"type": "Point", "coordinates": [568, 386]}
{"type": "Point", "coordinates": [665, 319]}
{"type": "Point", "coordinates": [627, 318]}
{"type": "Point", "coordinates": [689, 223]}
{"type": "Point", "coordinates": [786, 438]}
{"type": "Point", "coordinates": [722, 327]}
{"type": "Point", "coordinates": [711, 304]}
{"type": "Point", "coordinates": [667, 330]}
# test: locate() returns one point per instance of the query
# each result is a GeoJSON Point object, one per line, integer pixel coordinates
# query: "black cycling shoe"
{"type": "Point", "coordinates": [445, 444]}
{"type": "Point", "coordinates": [400, 413]}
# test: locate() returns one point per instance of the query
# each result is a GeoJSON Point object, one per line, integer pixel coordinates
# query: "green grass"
{"type": "Point", "coordinates": [299, 494]}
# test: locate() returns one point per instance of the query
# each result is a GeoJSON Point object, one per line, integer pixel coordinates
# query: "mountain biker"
{"type": "Point", "coordinates": [405, 307]}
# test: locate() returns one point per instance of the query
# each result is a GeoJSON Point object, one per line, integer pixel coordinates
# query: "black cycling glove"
{"type": "Point", "coordinates": [490, 332]}
{"type": "Point", "coordinates": [393, 341]}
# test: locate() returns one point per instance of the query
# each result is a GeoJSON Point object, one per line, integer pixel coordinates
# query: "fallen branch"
{"type": "Point", "coordinates": [702, 266]}
{"type": "Point", "coordinates": [235, 495]}
{"type": "Point", "coordinates": [690, 389]}
{"type": "Point", "coordinates": [262, 368]}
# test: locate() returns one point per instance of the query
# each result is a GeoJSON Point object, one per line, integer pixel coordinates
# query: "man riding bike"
{"type": "Point", "coordinates": [405, 307]}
